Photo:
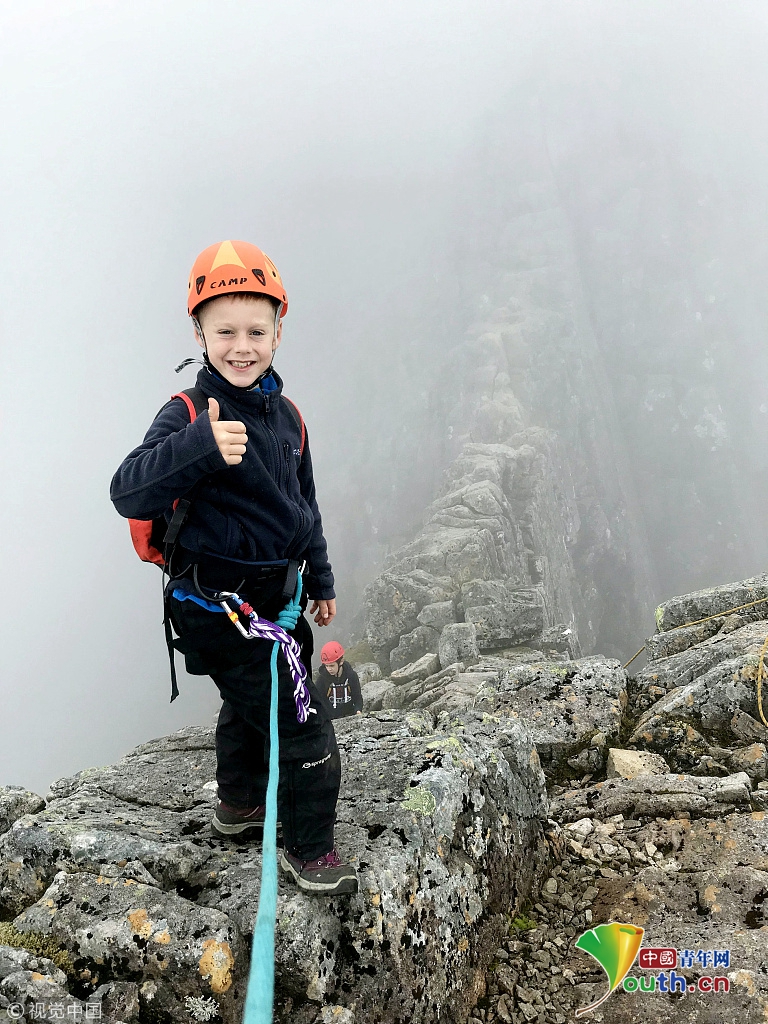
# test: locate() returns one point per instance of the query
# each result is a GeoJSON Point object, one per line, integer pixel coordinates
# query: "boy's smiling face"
{"type": "Point", "coordinates": [239, 336]}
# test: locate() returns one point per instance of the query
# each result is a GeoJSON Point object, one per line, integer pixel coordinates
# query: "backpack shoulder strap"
{"type": "Point", "coordinates": [299, 420]}
{"type": "Point", "coordinates": [195, 401]}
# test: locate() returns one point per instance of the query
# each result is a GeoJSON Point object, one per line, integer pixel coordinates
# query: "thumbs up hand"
{"type": "Point", "coordinates": [230, 435]}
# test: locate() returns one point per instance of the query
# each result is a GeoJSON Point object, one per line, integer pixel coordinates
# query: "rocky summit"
{"type": "Point", "coordinates": [495, 807]}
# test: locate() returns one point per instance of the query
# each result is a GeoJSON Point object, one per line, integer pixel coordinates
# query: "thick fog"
{"type": "Point", "coordinates": [369, 150]}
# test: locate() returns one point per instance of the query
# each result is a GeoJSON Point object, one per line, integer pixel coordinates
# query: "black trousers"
{"type": "Point", "coordinates": [310, 766]}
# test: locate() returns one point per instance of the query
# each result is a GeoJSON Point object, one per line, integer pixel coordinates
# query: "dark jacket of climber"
{"type": "Point", "coordinates": [342, 691]}
{"type": "Point", "coordinates": [224, 519]}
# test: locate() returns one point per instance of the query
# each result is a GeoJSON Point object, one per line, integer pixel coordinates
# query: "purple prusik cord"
{"type": "Point", "coordinates": [263, 629]}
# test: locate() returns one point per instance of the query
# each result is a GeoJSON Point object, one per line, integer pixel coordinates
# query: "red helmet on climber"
{"type": "Point", "coordinates": [332, 651]}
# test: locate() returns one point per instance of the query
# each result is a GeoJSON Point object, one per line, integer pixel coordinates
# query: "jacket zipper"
{"type": "Point", "coordinates": [286, 451]}
{"type": "Point", "coordinates": [273, 436]}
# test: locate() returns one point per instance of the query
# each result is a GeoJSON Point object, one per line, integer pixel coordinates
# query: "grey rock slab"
{"type": "Point", "coordinates": [561, 638]}
{"type": "Point", "coordinates": [375, 693]}
{"type": "Point", "coordinates": [13, 960]}
{"type": "Point", "coordinates": [15, 802]}
{"type": "Point", "coordinates": [654, 796]}
{"type": "Point", "coordinates": [393, 602]}
{"type": "Point", "coordinates": [502, 613]}
{"type": "Point", "coordinates": [426, 666]}
{"type": "Point", "coordinates": [664, 645]}
{"type": "Point", "coordinates": [41, 995]}
{"type": "Point", "coordinates": [458, 642]}
{"type": "Point", "coordinates": [562, 705]}
{"type": "Point", "coordinates": [714, 601]}
{"type": "Point", "coordinates": [120, 1001]}
{"type": "Point", "coordinates": [172, 948]}
{"type": "Point", "coordinates": [445, 828]}
{"type": "Point", "coordinates": [746, 728]}
{"type": "Point", "coordinates": [169, 772]}
{"type": "Point", "coordinates": [627, 764]}
{"type": "Point", "coordinates": [457, 693]}
{"type": "Point", "coordinates": [501, 660]}
{"type": "Point", "coordinates": [752, 759]}
{"type": "Point", "coordinates": [90, 831]}
{"type": "Point", "coordinates": [368, 672]}
{"type": "Point", "coordinates": [460, 553]}
{"type": "Point", "coordinates": [413, 647]}
{"type": "Point", "coordinates": [437, 615]}
{"type": "Point", "coordinates": [707, 686]}
{"type": "Point", "coordinates": [103, 820]}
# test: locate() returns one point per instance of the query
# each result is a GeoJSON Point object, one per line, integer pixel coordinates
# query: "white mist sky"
{"type": "Point", "coordinates": [134, 135]}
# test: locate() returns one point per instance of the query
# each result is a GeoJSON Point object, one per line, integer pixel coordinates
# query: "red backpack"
{"type": "Point", "coordinates": [153, 537]}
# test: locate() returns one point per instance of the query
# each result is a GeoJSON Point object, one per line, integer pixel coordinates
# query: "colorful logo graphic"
{"type": "Point", "coordinates": [614, 946]}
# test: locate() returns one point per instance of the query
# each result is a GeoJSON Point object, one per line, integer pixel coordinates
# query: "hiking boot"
{"type": "Point", "coordinates": [324, 876]}
{"type": "Point", "coordinates": [230, 822]}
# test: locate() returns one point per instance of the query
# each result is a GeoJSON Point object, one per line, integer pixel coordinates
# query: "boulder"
{"type": "Point", "coordinates": [13, 960]}
{"type": "Point", "coordinates": [368, 672]}
{"type": "Point", "coordinates": [627, 764]}
{"type": "Point", "coordinates": [141, 817]}
{"type": "Point", "coordinates": [561, 639]}
{"type": "Point", "coordinates": [502, 613]}
{"type": "Point", "coordinates": [375, 693]}
{"type": "Point", "coordinates": [15, 802]}
{"type": "Point", "coordinates": [655, 796]}
{"type": "Point", "coordinates": [563, 705]}
{"type": "Point", "coordinates": [119, 927]}
{"type": "Point", "coordinates": [678, 611]}
{"type": "Point", "coordinates": [710, 698]}
{"type": "Point", "coordinates": [421, 669]}
{"type": "Point", "coordinates": [752, 759]}
{"type": "Point", "coordinates": [458, 642]}
{"type": "Point", "coordinates": [393, 602]}
{"type": "Point", "coordinates": [456, 692]}
{"type": "Point", "coordinates": [413, 646]}
{"type": "Point", "coordinates": [437, 615]}
{"type": "Point", "coordinates": [439, 823]}
{"type": "Point", "coordinates": [42, 995]}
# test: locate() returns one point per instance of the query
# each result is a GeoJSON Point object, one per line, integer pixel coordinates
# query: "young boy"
{"type": "Point", "coordinates": [339, 682]}
{"type": "Point", "coordinates": [246, 470]}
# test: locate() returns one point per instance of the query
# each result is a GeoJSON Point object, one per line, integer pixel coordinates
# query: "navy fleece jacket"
{"type": "Point", "coordinates": [262, 510]}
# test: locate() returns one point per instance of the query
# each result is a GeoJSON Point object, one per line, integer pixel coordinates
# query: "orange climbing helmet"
{"type": "Point", "coordinates": [331, 652]}
{"type": "Point", "coordinates": [229, 267]}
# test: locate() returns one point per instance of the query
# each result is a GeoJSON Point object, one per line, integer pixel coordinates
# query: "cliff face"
{"type": "Point", "coordinates": [537, 504]}
{"type": "Point", "coordinates": [603, 289]}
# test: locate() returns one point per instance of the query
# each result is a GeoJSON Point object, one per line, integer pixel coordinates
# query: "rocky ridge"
{"type": "Point", "coordinates": [475, 881]}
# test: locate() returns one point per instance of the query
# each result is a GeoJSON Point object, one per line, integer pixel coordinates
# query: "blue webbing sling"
{"type": "Point", "coordinates": [260, 997]}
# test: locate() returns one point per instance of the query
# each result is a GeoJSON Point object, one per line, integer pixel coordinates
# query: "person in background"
{"type": "Point", "coordinates": [339, 682]}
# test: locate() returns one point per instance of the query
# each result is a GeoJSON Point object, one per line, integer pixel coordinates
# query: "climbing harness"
{"type": "Point", "coordinates": [720, 615]}
{"type": "Point", "coordinates": [263, 629]}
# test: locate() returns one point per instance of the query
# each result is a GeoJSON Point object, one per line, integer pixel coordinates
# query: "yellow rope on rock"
{"type": "Point", "coordinates": [760, 673]}
{"type": "Point", "coordinates": [635, 656]}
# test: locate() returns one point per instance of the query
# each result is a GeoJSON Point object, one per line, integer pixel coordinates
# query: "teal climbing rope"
{"type": "Point", "coordinates": [260, 997]}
